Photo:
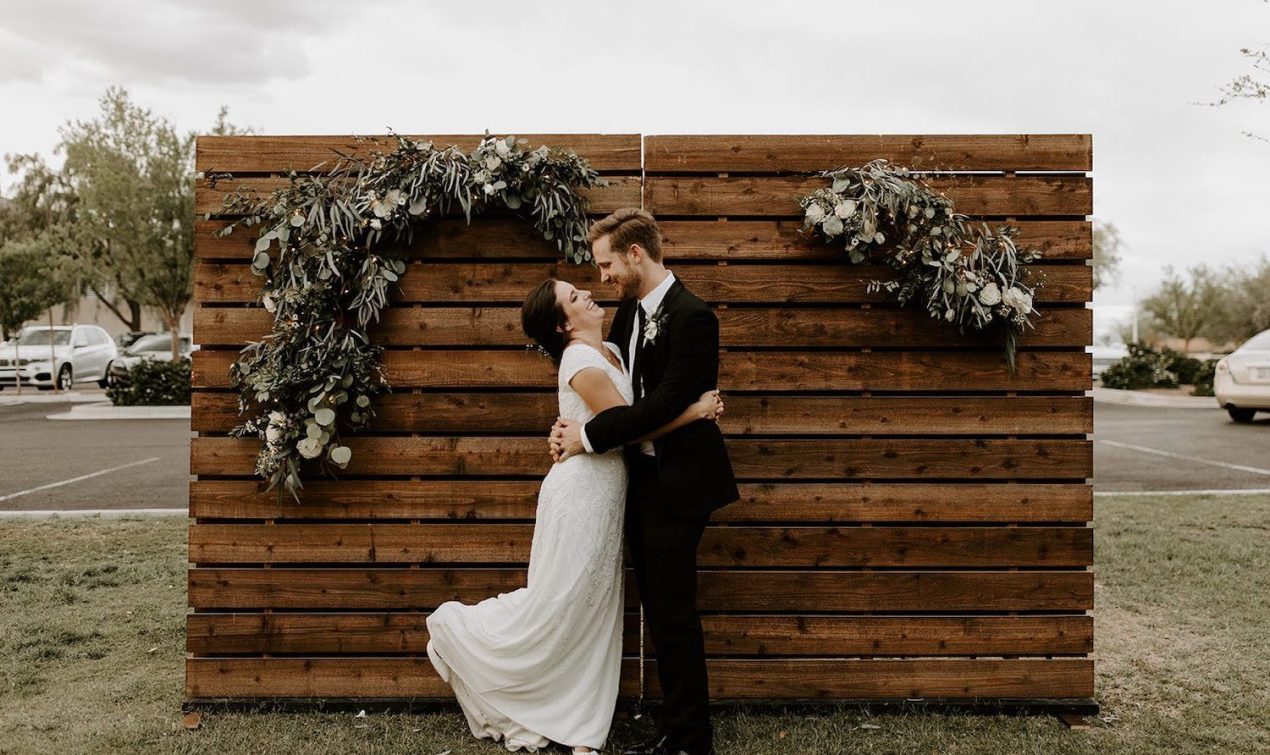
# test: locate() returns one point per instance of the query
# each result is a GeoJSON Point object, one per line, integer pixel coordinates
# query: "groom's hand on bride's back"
{"type": "Point", "coordinates": [565, 439]}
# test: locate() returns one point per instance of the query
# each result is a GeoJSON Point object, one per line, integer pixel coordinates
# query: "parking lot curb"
{"type": "Point", "coordinates": [107, 410]}
{"type": "Point", "coordinates": [1144, 398]}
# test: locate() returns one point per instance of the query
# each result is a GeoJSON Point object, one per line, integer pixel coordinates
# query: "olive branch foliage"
{"type": "Point", "coordinates": [967, 275]}
{"type": "Point", "coordinates": [321, 244]}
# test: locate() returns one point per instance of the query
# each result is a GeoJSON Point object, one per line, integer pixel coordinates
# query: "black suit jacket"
{"type": "Point", "coordinates": [694, 473]}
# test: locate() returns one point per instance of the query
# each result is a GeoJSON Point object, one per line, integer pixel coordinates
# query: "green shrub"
{"type": "Point", "coordinates": [1186, 368]}
{"type": "Point", "coordinates": [1204, 378]}
{"type": "Point", "coordinates": [152, 382]}
{"type": "Point", "coordinates": [1144, 367]}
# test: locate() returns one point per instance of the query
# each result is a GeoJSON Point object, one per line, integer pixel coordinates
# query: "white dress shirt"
{"type": "Point", "coordinates": [649, 303]}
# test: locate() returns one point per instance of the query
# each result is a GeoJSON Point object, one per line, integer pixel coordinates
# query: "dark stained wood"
{"type": "Point", "coordinates": [734, 679]}
{"type": "Point", "coordinates": [769, 196]}
{"type": "Point", "coordinates": [682, 241]}
{"type": "Point", "coordinates": [509, 283]}
{"type": "Point", "coordinates": [738, 370]}
{"type": "Point", "coordinates": [845, 327]}
{"type": "Point", "coordinates": [722, 545]}
{"type": "Point", "coordinates": [209, 194]}
{"type": "Point", "coordinates": [279, 154]}
{"type": "Point", "coordinates": [725, 635]}
{"type": "Point", "coordinates": [851, 679]}
{"type": "Point", "coordinates": [751, 459]}
{"type": "Point", "coordinates": [914, 521]}
{"type": "Point", "coordinates": [744, 415]}
{"type": "Point", "coordinates": [784, 153]}
{"type": "Point", "coordinates": [825, 590]}
{"type": "Point", "coordinates": [764, 502]}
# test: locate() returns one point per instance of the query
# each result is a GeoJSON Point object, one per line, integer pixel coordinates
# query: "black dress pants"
{"type": "Point", "coordinates": [663, 551]}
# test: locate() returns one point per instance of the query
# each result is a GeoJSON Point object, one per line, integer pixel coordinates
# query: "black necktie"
{"type": "Point", "coordinates": [636, 376]}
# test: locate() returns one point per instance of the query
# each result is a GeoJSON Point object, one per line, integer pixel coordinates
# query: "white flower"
{"type": "Point", "coordinates": [270, 306]}
{"type": "Point", "coordinates": [815, 213]}
{"type": "Point", "coordinates": [845, 209]}
{"type": "Point", "coordinates": [651, 329]}
{"type": "Point", "coordinates": [376, 224]}
{"type": "Point", "coordinates": [395, 196]}
{"type": "Point", "coordinates": [492, 162]}
{"type": "Point", "coordinates": [501, 147]}
{"type": "Point", "coordinates": [990, 295]}
{"type": "Point", "coordinates": [309, 448]}
{"type": "Point", "coordinates": [382, 206]}
{"type": "Point", "coordinates": [490, 190]}
{"type": "Point", "coordinates": [276, 417]}
{"type": "Point", "coordinates": [1019, 299]}
{"type": "Point", "coordinates": [832, 226]}
{"type": "Point", "coordinates": [273, 433]}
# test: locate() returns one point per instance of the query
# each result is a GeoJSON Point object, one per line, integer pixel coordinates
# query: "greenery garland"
{"type": "Point", "coordinates": [968, 276]}
{"type": "Point", "coordinates": [318, 249]}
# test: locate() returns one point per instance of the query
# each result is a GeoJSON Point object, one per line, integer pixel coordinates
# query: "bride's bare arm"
{"type": "Point", "coordinates": [599, 393]}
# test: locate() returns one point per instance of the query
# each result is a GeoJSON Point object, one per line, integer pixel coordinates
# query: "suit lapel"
{"type": "Point", "coordinates": [656, 353]}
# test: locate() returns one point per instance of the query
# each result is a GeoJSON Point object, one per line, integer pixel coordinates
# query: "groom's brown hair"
{"type": "Point", "coordinates": [627, 226]}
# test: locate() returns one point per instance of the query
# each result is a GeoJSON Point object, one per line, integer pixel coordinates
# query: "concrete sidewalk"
{"type": "Point", "coordinates": [1148, 398]}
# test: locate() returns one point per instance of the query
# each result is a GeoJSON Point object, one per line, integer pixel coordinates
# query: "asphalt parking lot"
{"type": "Point", "coordinates": [100, 464]}
{"type": "Point", "coordinates": [131, 464]}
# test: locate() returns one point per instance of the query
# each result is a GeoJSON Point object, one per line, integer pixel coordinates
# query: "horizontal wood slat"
{"type": "Point", "coordinates": [721, 545]}
{"type": "Point", "coordinates": [751, 459]}
{"type": "Point", "coordinates": [738, 371]}
{"type": "Point", "coordinates": [510, 283]}
{"type": "Point", "coordinates": [736, 590]}
{"type": "Point", "coordinates": [763, 153]}
{"type": "Point", "coordinates": [778, 195]}
{"type": "Point", "coordinates": [209, 194]}
{"type": "Point", "coordinates": [279, 154]}
{"type": "Point", "coordinates": [737, 635]}
{"type": "Point", "coordinates": [682, 241]}
{"type": "Point", "coordinates": [738, 328]}
{"type": "Point", "coordinates": [786, 502]}
{"type": "Point", "coordinates": [744, 415]}
{"type": "Point", "coordinates": [731, 679]}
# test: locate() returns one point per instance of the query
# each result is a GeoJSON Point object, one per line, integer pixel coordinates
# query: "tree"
{"type": "Point", "coordinates": [30, 282]}
{"type": "Point", "coordinates": [1107, 245]}
{"type": "Point", "coordinates": [1186, 309]}
{"type": "Point", "coordinates": [1245, 309]}
{"type": "Point", "coordinates": [1249, 86]}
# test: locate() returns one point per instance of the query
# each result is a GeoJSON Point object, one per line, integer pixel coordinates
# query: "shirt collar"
{"type": "Point", "coordinates": [652, 301]}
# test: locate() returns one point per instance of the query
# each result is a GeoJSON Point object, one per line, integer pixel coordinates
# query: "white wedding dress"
{"type": "Point", "coordinates": [542, 662]}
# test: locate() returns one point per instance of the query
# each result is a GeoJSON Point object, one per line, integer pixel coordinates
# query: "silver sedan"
{"type": "Point", "coordinates": [1242, 379]}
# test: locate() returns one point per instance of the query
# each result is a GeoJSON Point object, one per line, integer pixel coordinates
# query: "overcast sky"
{"type": "Point", "coordinates": [1180, 179]}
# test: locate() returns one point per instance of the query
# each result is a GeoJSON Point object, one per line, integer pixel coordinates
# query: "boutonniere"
{"type": "Point", "coordinates": [654, 326]}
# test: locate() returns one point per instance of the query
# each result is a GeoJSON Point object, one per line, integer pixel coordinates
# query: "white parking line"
{"type": "Point", "coordinates": [1233, 491]}
{"type": "Point", "coordinates": [77, 479]}
{"type": "Point", "coordinates": [1183, 457]}
{"type": "Point", "coordinates": [87, 513]}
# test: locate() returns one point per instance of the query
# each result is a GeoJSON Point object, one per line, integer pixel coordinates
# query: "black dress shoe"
{"type": "Point", "coordinates": [654, 746]}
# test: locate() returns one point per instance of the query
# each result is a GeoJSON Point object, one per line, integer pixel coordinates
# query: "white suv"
{"type": "Point", "coordinates": [68, 353]}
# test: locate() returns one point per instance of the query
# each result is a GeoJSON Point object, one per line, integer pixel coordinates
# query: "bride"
{"type": "Point", "coordinates": [541, 664]}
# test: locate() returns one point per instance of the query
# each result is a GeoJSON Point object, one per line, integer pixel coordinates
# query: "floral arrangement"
{"type": "Point", "coordinates": [972, 277]}
{"type": "Point", "coordinates": [318, 243]}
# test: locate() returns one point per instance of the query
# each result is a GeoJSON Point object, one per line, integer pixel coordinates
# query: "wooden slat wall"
{"type": "Point", "coordinates": [915, 521]}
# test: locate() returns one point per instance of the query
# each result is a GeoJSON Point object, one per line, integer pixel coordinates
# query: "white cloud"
{"type": "Point", "coordinates": [1179, 179]}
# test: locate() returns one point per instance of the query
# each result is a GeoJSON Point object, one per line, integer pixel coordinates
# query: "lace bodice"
{"type": "Point", "coordinates": [579, 356]}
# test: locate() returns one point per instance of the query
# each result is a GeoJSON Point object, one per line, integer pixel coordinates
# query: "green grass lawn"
{"type": "Point", "coordinates": [92, 647]}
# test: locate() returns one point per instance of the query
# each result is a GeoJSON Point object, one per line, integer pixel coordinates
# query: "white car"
{"type": "Point", "coordinates": [1242, 379]}
{"type": "Point", "coordinates": [68, 353]}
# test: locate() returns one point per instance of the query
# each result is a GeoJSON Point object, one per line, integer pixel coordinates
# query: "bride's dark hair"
{"type": "Point", "coordinates": [540, 315]}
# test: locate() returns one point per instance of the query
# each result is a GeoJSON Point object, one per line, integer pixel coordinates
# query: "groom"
{"type": "Point", "coordinates": [669, 340]}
